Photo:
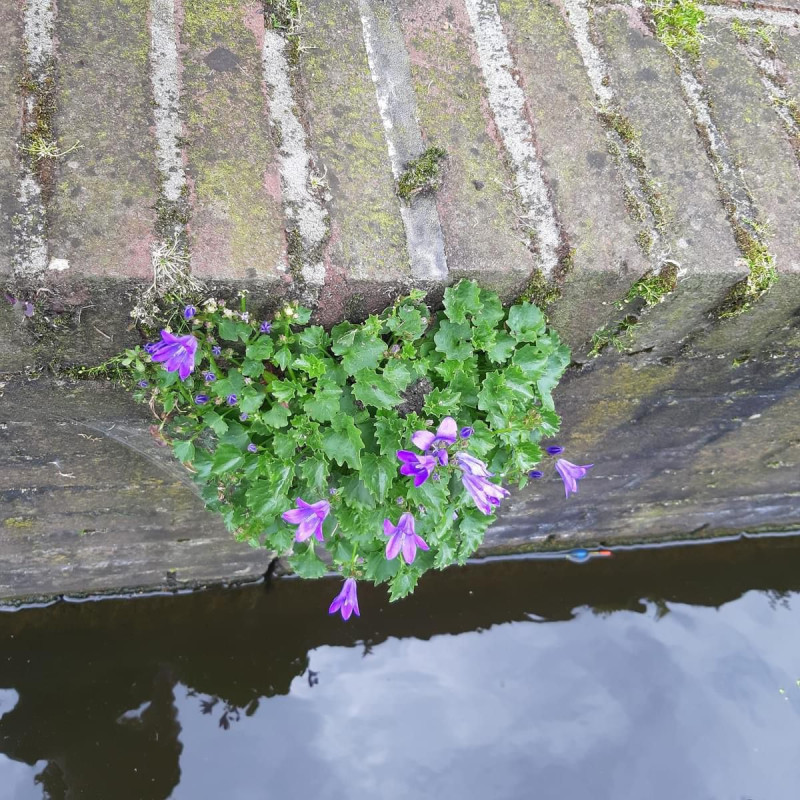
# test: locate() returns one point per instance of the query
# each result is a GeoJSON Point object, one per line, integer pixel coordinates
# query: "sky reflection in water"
{"type": "Point", "coordinates": [250, 694]}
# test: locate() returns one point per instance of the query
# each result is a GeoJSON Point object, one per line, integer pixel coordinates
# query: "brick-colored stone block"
{"type": "Point", "coordinates": [586, 188]}
{"type": "Point", "coordinates": [368, 241]}
{"type": "Point", "coordinates": [101, 216]}
{"type": "Point", "coordinates": [475, 201]}
{"type": "Point", "coordinates": [10, 118]}
{"type": "Point", "coordinates": [237, 220]}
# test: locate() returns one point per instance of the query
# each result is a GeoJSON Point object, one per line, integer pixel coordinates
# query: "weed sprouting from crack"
{"type": "Point", "coordinates": [677, 24]}
{"type": "Point", "coordinates": [39, 148]}
{"type": "Point", "coordinates": [171, 278]}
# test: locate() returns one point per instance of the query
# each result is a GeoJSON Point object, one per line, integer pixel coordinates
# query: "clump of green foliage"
{"type": "Point", "coordinates": [279, 409]}
{"type": "Point", "coordinates": [422, 174]}
{"type": "Point", "coordinates": [654, 287]}
{"type": "Point", "coordinates": [678, 24]}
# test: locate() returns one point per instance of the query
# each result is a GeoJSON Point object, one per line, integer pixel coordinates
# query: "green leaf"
{"type": "Point", "coordinates": [378, 473]}
{"type": "Point", "coordinates": [391, 432]}
{"type": "Point", "coordinates": [301, 315]}
{"type": "Point", "coordinates": [366, 352]}
{"type": "Point", "coordinates": [261, 349]}
{"type": "Point", "coordinates": [526, 322]}
{"type": "Point", "coordinates": [184, 451]}
{"type": "Point", "coordinates": [445, 555]}
{"type": "Point", "coordinates": [530, 360]}
{"type": "Point", "coordinates": [215, 422]}
{"type": "Point", "coordinates": [226, 459]}
{"type": "Point", "coordinates": [402, 584]}
{"type": "Point", "coordinates": [408, 323]}
{"type": "Point", "coordinates": [492, 311]}
{"type": "Point", "coordinates": [379, 569]}
{"type": "Point", "coordinates": [306, 563]}
{"type": "Point", "coordinates": [356, 494]}
{"type": "Point", "coordinates": [284, 445]}
{"type": "Point", "coordinates": [342, 442]}
{"type": "Point", "coordinates": [441, 403]}
{"type": "Point", "coordinates": [265, 502]}
{"type": "Point", "coordinates": [313, 367]}
{"type": "Point", "coordinates": [282, 391]}
{"type": "Point", "coordinates": [236, 435]}
{"type": "Point", "coordinates": [314, 339]}
{"type": "Point", "coordinates": [375, 390]}
{"type": "Point", "coordinates": [283, 357]}
{"type": "Point", "coordinates": [276, 417]}
{"type": "Point", "coordinates": [250, 401]}
{"type": "Point", "coordinates": [461, 300]}
{"type": "Point", "coordinates": [453, 340]}
{"type": "Point", "coordinates": [325, 405]}
{"type": "Point", "coordinates": [502, 348]}
{"type": "Point", "coordinates": [471, 531]}
{"type": "Point", "coordinates": [253, 369]}
{"type": "Point", "coordinates": [398, 373]}
{"type": "Point", "coordinates": [314, 471]}
{"type": "Point", "coordinates": [526, 456]}
{"type": "Point", "coordinates": [228, 329]}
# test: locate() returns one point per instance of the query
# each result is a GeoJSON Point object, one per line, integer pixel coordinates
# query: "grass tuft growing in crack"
{"type": "Point", "coordinates": [422, 174]}
{"type": "Point", "coordinates": [654, 287]}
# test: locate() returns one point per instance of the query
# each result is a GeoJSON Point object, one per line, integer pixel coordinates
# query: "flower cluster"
{"type": "Point", "coordinates": [379, 450]}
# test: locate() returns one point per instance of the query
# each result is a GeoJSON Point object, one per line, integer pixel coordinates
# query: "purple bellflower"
{"type": "Point", "coordinates": [189, 312]}
{"type": "Point", "coordinates": [216, 350]}
{"type": "Point", "coordinates": [308, 517]}
{"type": "Point", "coordinates": [143, 384]}
{"type": "Point", "coordinates": [466, 432]}
{"type": "Point", "coordinates": [209, 377]}
{"type": "Point", "coordinates": [571, 473]}
{"type": "Point", "coordinates": [536, 474]}
{"type": "Point", "coordinates": [404, 538]}
{"type": "Point", "coordinates": [176, 353]}
{"type": "Point", "coordinates": [420, 467]}
{"type": "Point", "coordinates": [266, 327]}
{"type": "Point", "coordinates": [554, 450]}
{"type": "Point", "coordinates": [346, 601]}
{"type": "Point", "coordinates": [253, 448]}
{"type": "Point", "coordinates": [475, 478]}
{"type": "Point", "coordinates": [201, 399]}
{"type": "Point", "coordinates": [231, 399]}
{"type": "Point", "coordinates": [446, 433]}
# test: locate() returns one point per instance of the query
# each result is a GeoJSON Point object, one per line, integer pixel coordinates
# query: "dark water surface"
{"type": "Point", "coordinates": [669, 674]}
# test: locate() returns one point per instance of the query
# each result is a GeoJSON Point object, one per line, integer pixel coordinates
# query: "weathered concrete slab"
{"type": "Point", "coordinates": [237, 220]}
{"type": "Point", "coordinates": [605, 258]}
{"type": "Point", "coordinates": [10, 120]}
{"type": "Point", "coordinates": [475, 201]}
{"type": "Point", "coordinates": [90, 504]}
{"type": "Point", "coordinates": [101, 216]}
{"type": "Point", "coordinates": [696, 448]}
{"type": "Point", "coordinates": [699, 237]}
{"type": "Point", "coordinates": [756, 135]}
{"type": "Point", "coordinates": [368, 242]}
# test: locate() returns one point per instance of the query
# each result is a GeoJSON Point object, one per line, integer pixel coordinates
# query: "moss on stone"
{"type": "Point", "coordinates": [421, 174]}
{"type": "Point", "coordinates": [677, 24]}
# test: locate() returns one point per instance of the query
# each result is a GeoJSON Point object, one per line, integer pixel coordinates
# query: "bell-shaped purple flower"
{"type": "Point", "coordinates": [403, 538]}
{"type": "Point", "coordinates": [466, 432]}
{"type": "Point", "coordinates": [475, 479]}
{"type": "Point", "coordinates": [554, 450]}
{"type": "Point", "coordinates": [189, 312]}
{"type": "Point", "coordinates": [446, 432]}
{"type": "Point", "coordinates": [571, 473]}
{"type": "Point", "coordinates": [216, 350]}
{"type": "Point", "coordinates": [308, 517]}
{"type": "Point", "coordinates": [176, 353]}
{"type": "Point", "coordinates": [265, 327]}
{"type": "Point", "coordinates": [346, 601]}
{"type": "Point", "coordinates": [420, 467]}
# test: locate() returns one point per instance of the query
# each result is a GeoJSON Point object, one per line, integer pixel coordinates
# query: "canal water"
{"type": "Point", "coordinates": [667, 674]}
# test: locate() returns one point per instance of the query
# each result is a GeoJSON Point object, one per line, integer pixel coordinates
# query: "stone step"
{"type": "Point", "coordinates": [599, 236]}
{"type": "Point", "coordinates": [758, 142]}
{"type": "Point", "coordinates": [476, 200]}
{"type": "Point", "coordinates": [236, 226]}
{"type": "Point", "coordinates": [696, 232]}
